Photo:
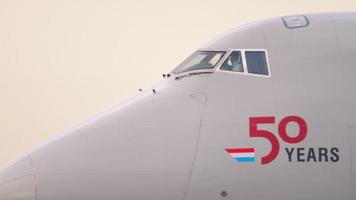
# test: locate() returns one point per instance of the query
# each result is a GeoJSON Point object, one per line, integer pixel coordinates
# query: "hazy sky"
{"type": "Point", "coordinates": [63, 61]}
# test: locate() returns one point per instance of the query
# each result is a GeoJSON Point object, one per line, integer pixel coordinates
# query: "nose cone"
{"type": "Point", "coordinates": [17, 181]}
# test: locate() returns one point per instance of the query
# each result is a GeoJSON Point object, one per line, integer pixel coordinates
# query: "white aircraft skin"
{"type": "Point", "coordinates": [182, 139]}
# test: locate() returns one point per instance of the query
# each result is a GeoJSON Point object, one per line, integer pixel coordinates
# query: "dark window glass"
{"type": "Point", "coordinates": [233, 62]}
{"type": "Point", "coordinates": [256, 62]}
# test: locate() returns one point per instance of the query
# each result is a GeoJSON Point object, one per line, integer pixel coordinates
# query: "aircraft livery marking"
{"type": "Point", "coordinates": [242, 154]}
{"type": "Point", "coordinates": [299, 154]}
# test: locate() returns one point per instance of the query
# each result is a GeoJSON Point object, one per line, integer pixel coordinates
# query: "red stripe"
{"type": "Point", "coordinates": [241, 150]}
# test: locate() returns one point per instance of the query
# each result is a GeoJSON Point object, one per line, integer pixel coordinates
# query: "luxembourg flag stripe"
{"type": "Point", "coordinates": [242, 154]}
{"type": "Point", "coordinates": [241, 150]}
{"type": "Point", "coordinates": [245, 159]}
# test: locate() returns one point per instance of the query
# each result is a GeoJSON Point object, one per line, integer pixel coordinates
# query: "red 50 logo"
{"type": "Point", "coordinates": [282, 130]}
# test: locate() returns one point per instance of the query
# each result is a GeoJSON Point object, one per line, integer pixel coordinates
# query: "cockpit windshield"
{"type": "Point", "coordinates": [200, 60]}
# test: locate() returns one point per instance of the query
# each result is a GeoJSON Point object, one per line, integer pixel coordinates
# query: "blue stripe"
{"type": "Point", "coordinates": [246, 159]}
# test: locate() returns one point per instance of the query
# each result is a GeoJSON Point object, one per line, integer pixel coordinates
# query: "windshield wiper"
{"type": "Point", "coordinates": [191, 74]}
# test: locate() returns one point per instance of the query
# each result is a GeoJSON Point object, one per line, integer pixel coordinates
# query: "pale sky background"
{"type": "Point", "coordinates": [63, 61]}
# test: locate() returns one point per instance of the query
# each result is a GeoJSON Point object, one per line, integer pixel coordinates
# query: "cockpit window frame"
{"type": "Point", "coordinates": [244, 62]}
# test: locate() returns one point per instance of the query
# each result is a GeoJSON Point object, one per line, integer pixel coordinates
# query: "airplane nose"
{"type": "Point", "coordinates": [17, 181]}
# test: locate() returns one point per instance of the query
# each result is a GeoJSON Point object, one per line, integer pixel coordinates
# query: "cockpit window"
{"type": "Point", "coordinates": [256, 62]}
{"type": "Point", "coordinates": [200, 60]}
{"type": "Point", "coordinates": [233, 62]}
{"type": "Point", "coordinates": [247, 62]}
